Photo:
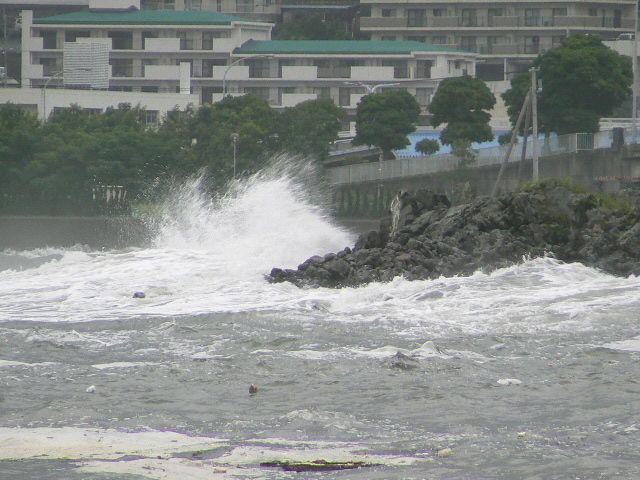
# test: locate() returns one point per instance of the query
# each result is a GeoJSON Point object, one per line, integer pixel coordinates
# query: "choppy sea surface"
{"type": "Point", "coordinates": [529, 372]}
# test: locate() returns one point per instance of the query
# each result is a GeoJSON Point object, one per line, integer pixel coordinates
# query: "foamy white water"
{"type": "Point", "coordinates": [526, 372]}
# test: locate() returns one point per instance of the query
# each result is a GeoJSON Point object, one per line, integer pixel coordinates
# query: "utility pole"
{"type": "Point", "coordinates": [514, 135]}
{"type": "Point", "coordinates": [534, 113]}
{"type": "Point", "coordinates": [634, 105]}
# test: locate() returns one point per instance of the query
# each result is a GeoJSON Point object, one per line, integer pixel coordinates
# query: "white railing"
{"type": "Point", "coordinates": [412, 166]}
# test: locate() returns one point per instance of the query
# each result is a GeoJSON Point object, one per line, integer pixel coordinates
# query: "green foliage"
{"type": "Point", "coordinates": [313, 26]}
{"type": "Point", "coordinates": [462, 103]}
{"type": "Point", "coordinates": [461, 148]}
{"type": "Point", "coordinates": [64, 166]}
{"type": "Point", "coordinates": [505, 138]}
{"type": "Point", "coordinates": [601, 200]}
{"type": "Point", "coordinates": [385, 119]}
{"type": "Point", "coordinates": [310, 127]}
{"type": "Point", "coordinates": [582, 80]}
{"type": "Point", "coordinates": [427, 146]}
{"type": "Point", "coordinates": [212, 126]}
{"type": "Point", "coordinates": [514, 98]}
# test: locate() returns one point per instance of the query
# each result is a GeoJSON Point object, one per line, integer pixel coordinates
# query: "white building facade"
{"type": "Point", "coordinates": [205, 55]}
{"type": "Point", "coordinates": [506, 34]}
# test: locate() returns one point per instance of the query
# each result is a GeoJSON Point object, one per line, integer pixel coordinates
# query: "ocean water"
{"type": "Point", "coordinates": [529, 372]}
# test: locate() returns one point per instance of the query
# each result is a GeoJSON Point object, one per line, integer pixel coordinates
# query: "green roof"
{"type": "Point", "coordinates": [142, 17]}
{"type": "Point", "coordinates": [337, 47]}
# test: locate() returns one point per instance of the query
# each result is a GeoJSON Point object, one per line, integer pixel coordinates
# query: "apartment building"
{"type": "Point", "coordinates": [209, 54]}
{"type": "Point", "coordinates": [267, 10]}
{"type": "Point", "coordinates": [507, 35]}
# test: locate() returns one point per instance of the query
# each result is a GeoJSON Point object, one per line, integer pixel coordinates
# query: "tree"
{"type": "Point", "coordinates": [461, 103]}
{"type": "Point", "coordinates": [427, 146]}
{"type": "Point", "coordinates": [313, 26]}
{"type": "Point", "coordinates": [582, 80]}
{"type": "Point", "coordinates": [385, 119]}
{"type": "Point", "coordinates": [309, 127]}
{"type": "Point", "coordinates": [250, 117]}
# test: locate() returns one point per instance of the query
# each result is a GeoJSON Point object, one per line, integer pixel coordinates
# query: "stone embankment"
{"type": "Point", "coordinates": [426, 238]}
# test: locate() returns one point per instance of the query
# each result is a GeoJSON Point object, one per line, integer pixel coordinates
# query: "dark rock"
{"type": "Point", "coordinates": [425, 239]}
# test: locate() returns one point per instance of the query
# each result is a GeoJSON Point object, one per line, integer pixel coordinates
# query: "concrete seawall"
{"type": "Point", "coordinates": [98, 233]}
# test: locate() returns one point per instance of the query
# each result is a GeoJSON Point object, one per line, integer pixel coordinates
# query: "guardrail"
{"type": "Point", "coordinates": [424, 165]}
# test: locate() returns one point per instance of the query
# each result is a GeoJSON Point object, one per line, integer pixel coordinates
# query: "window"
{"type": "Point", "coordinates": [121, 88]}
{"type": "Point", "coordinates": [468, 44]}
{"type": "Point", "coordinates": [391, 38]}
{"type": "Point", "coordinates": [329, 69]}
{"type": "Point", "coordinates": [470, 18]}
{"type": "Point", "coordinates": [441, 12]}
{"type": "Point", "coordinates": [423, 68]}
{"type": "Point", "coordinates": [556, 40]}
{"type": "Point", "coordinates": [388, 12]}
{"type": "Point", "coordinates": [72, 35]}
{"type": "Point", "coordinates": [186, 41]}
{"type": "Point", "coordinates": [207, 41]}
{"type": "Point", "coordinates": [492, 41]}
{"type": "Point", "coordinates": [151, 117]}
{"type": "Point", "coordinates": [416, 17]}
{"type": "Point", "coordinates": [559, 12]}
{"type": "Point", "coordinates": [49, 67]}
{"type": "Point", "coordinates": [344, 99]}
{"type": "Point", "coordinates": [48, 39]}
{"type": "Point", "coordinates": [244, 6]}
{"type": "Point", "coordinates": [532, 17]}
{"type": "Point", "coordinates": [593, 12]}
{"type": "Point", "coordinates": [439, 40]}
{"type": "Point", "coordinates": [417, 38]}
{"type": "Point", "coordinates": [259, 68]}
{"type": "Point", "coordinates": [149, 89]}
{"type": "Point", "coordinates": [122, 40]}
{"type": "Point", "coordinates": [400, 69]}
{"type": "Point", "coordinates": [322, 92]}
{"type": "Point", "coordinates": [218, 5]}
{"type": "Point", "coordinates": [193, 4]}
{"type": "Point", "coordinates": [121, 67]}
{"type": "Point", "coordinates": [532, 44]}
{"type": "Point", "coordinates": [493, 13]}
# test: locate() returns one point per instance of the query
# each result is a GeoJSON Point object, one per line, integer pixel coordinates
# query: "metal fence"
{"type": "Point", "coordinates": [412, 166]}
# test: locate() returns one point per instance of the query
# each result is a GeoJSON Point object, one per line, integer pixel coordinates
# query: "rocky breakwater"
{"type": "Point", "coordinates": [426, 238]}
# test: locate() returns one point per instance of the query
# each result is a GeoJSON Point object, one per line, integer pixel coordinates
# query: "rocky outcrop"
{"type": "Point", "coordinates": [427, 238]}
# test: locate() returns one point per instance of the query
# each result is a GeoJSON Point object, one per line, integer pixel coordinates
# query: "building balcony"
{"type": "Point", "coordinates": [483, 22]}
{"type": "Point", "coordinates": [162, 72]}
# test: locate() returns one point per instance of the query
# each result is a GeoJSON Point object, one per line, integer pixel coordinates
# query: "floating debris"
{"type": "Point", "coordinates": [444, 453]}
{"type": "Point", "coordinates": [139, 295]}
{"type": "Point", "coordinates": [316, 465]}
{"type": "Point", "coordinates": [91, 389]}
{"type": "Point", "coordinates": [253, 389]}
{"type": "Point", "coordinates": [505, 382]}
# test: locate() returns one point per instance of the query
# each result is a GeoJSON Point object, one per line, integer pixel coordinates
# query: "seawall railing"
{"type": "Point", "coordinates": [424, 165]}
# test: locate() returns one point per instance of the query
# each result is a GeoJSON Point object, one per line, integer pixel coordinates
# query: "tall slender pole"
{"type": "Point", "coordinates": [534, 120]}
{"type": "Point", "coordinates": [634, 105]}
{"type": "Point", "coordinates": [514, 135]}
{"type": "Point", "coordinates": [234, 139]}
